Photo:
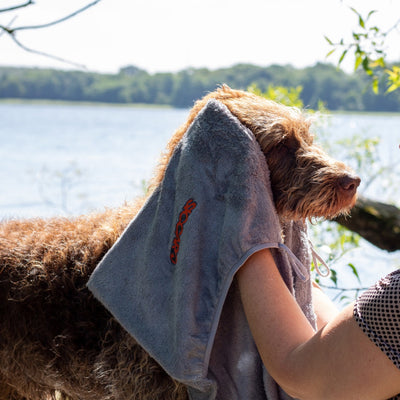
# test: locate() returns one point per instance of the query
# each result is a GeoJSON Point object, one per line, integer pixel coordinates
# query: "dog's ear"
{"type": "Point", "coordinates": [282, 152]}
{"type": "Point", "coordinates": [270, 137]}
{"type": "Point", "coordinates": [291, 142]}
{"type": "Point", "coordinates": [294, 139]}
{"type": "Point", "coordinates": [279, 137]}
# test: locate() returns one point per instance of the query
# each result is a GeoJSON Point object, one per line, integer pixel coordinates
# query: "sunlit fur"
{"type": "Point", "coordinates": [57, 341]}
{"type": "Point", "coordinates": [304, 179]}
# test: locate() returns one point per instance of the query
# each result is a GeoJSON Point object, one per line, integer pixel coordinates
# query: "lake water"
{"type": "Point", "coordinates": [70, 159]}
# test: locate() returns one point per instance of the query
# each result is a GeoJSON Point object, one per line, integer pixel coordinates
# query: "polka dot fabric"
{"type": "Point", "coordinates": [377, 312]}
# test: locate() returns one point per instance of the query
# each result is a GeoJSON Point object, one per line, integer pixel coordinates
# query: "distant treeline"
{"type": "Point", "coordinates": [322, 82]}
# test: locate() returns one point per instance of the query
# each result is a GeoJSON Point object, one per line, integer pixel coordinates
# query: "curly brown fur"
{"type": "Point", "coordinates": [56, 340]}
{"type": "Point", "coordinates": [53, 335]}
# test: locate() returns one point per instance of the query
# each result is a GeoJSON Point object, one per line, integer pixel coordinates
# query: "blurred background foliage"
{"type": "Point", "coordinates": [320, 83]}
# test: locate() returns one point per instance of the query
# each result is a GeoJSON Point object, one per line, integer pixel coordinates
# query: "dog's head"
{"type": "Point", "coordinates": [305, 181]}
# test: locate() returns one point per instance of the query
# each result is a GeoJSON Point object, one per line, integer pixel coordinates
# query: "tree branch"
{"type": "Point", "coordinates": [41, 53]}
{"type": "Point", "coordinates": [342, 289]}
{"type": "Point", "coordinates": [48, 24]}
{"type": "Point", "coordinates": [28, 3]}
{"type": "Point", "coordinates": [12, 31]}
{"type": "Point", "coordinates": [377, 222]}
{"type": "Point", "coordinates": [5, 29]}
{"type": "Point", "coordinates": [393, 27]}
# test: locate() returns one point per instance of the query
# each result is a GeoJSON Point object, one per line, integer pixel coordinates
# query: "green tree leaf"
{"type": "Point", "coordinates": [354, 271]}
{"type": "Point", "coordinates": [342, 56]}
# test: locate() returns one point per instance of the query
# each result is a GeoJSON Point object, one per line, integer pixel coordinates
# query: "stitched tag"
{"type": "Point", "coordinates": [187, 209]}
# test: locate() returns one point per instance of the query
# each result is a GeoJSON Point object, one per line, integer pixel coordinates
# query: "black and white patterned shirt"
{"type": "Point", "coordinates": [377, 312]}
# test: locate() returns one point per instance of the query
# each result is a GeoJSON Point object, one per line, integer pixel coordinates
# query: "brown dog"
{"type": "Point", "coordinates": [56, 340]}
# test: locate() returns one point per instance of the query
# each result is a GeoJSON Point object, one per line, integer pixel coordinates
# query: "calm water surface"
{"type": "Point", "coordinates": [71, 159]}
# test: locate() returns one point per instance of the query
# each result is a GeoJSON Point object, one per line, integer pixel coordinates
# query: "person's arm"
{"type": "Point", "coordinates": [337, 362]}
{"type": "Point", "coordinates": [324, 308]}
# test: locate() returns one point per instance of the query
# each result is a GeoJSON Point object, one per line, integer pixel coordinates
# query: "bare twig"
{"type": "Point", "coordinates": [4, 29]}
{"type": "Point", "coordinates": [393, 27]}
{"type": "Point", "coordinates": [355, 289]}
{"type": "Point", "coordinates": [20, 28]}
{"type": "Point", "coordinates": [41, 53]}
{"type": "Point", "coordinates": [28, 3]}
{"type": "Point", "coordinates": [12, 31]}
{"type": "Point", "coordinates": [343, 291]}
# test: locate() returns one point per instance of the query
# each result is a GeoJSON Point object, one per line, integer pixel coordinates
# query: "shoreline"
{"type": "Point", "coordinates": [163, 106]}
{"type": "Point", "coordinates": [81, 103]}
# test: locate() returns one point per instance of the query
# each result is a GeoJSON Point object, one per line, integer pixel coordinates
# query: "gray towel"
{"type": "Point", "coordinates": [169, 279]}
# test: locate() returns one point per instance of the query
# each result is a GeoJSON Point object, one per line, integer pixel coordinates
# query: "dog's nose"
{"type": "Point", "coordinates": [349, 183]}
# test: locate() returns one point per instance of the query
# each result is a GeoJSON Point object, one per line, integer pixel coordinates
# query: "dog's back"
{"type": "Point", "coordinates": [54, 336]}
{"type": "Point", "coordinates": [47, 314]}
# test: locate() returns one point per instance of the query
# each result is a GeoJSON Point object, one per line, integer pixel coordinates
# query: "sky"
{"type": "Point", "coordinates": [171, 35]}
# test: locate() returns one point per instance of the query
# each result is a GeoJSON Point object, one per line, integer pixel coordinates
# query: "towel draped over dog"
{"type": "Point", "coordinates": [169, 279]}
